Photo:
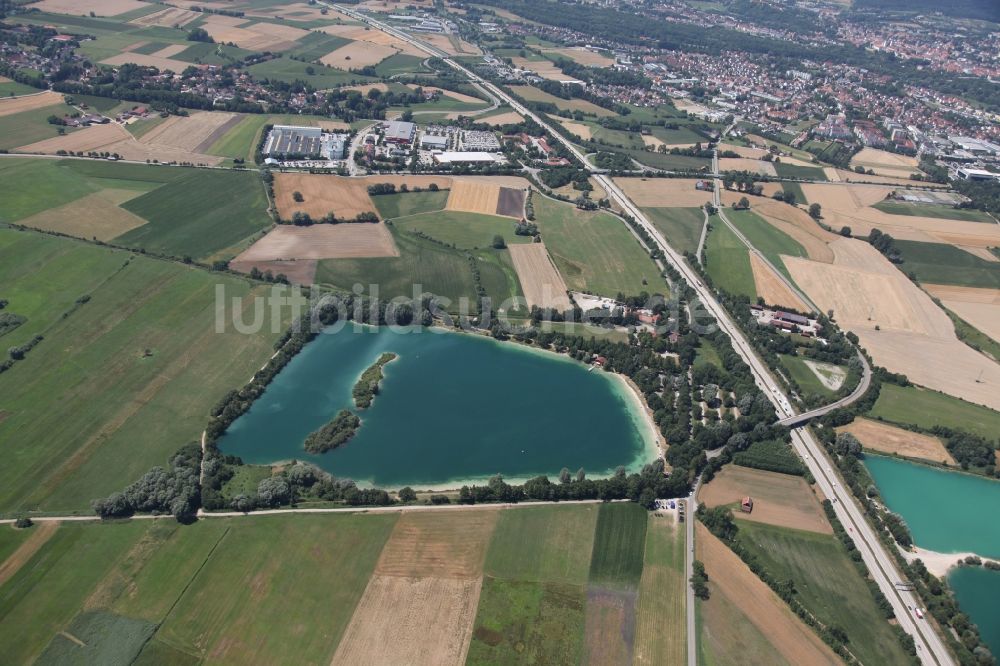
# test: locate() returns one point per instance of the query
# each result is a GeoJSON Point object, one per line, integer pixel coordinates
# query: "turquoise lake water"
{"type": "Point", "coordinates": [452, 407]}
{"type": "Point", "coordinates": [950, 512]}
{"type": "Point", "coordinates": [946, 511]}
{"type": "Point", "coordinates": [978, 593]}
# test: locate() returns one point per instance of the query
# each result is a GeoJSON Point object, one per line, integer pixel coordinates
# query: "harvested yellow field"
{"type": "Point", "coordinates": [540, 281]}
{"type": "Point", "coordinates": [983, 253]}
{"type": "Point", "coordinates": [96, 215]}
{"type": "Point", "coordinates": [256, 36]}
{"type": "Point", "coordinates": [664, 192]}
{"type": "Point", "coordinates": [12, 105]}
{"type": "Point", "coordinates": [170, 51]}
{"type": "Point", "coordinates": [899, 325]}
{"type": "Point", "coordinates": [745, 164]}
{"type": "Point", "coordinates": [114, 138]}
{"type": "Point", "coordinates": [850, 205]}
{"type": "Point", "coordinates": [979, 307]}
{"type": "Point", "coordinates": [320, 241]}
{"type": "Point", "coordinates": [885, 438]}
{"type": "Point", "coordinates": [747, 152]}
{"type": "Point", "coordinates": [94, 138]}
{"type": "Point", "coordinates": [357, 54]}
{"type": "Point", "coordinates": [362, 33]}
{"type": "Point", "coordinates": [584, 56]}
{"type": "Point", "coordinates": [422, 544]}
{"type": "Point", "coordinates": [403, 620]}
{"type": "Point", "coordinates": [884, 163]}
{"type": "Point", "coordinates": [84, 7]}
{"type": "Point", "coordinates": [778, 499]}
{"type": "Point", "coordinates": [771, 288]}
{"type": "Point", "coordinates": [187, 132]}
{"type": "Point", "coordinates": [543, 68]}
{"type": "Point", "coordinates": [366, 88]}
{"type": "Point", "coordinates": [505, 118]}
{"type": "Point", "coordinates": [167, 18]}
{"type": "Point", "coordinates": [344, 197]}
{"type": "Point", "coordinates": [474, 197]}
{"type": "Point", "coordinates": [580, 129]}
{"type": "Point", "coordinates": [759, 605]}
{"type": "Point", "coordinates": [159, 62]}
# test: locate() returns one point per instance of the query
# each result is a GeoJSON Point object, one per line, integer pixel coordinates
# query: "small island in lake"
{"type": "Point", "coordinates": [367, 387]}
{"type": "Point", "coordinates": [333, 434]}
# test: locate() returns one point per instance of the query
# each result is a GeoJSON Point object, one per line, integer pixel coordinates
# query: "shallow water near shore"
{"type": "Point", "coordinates": [453, 408]}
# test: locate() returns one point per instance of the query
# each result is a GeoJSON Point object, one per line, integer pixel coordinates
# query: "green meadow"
{"type": "Point", "coordinates": [194, 213]}
{"type": "Point", "coordinates": [938, 263]}
{"type": "Point", "coordinates": [681, 226]}
{"type": "Point", "coordinates": [595, 252]}
{"type": "Point", "coordinates": [828, 584]}
{"type": "Point", "coordinates": [925, 409]}
{"type": "Point", "coordinates": [129, 365]}
{"type": "Point", "coordinates": [727, 261]}
{"type": "Point", "coordinates": [391, 206]}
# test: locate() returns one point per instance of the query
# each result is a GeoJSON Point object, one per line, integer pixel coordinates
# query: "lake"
{"type": "Point", "coordinates": [950, 512]}
{"type": "Point", "coordinates": [947, 512]}
{"type": "Point", "coordinates": [977, 590]}
{"type": "Point", "coordinates": [453, 407]}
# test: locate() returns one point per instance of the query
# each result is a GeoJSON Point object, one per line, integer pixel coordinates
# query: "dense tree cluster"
{"type": "Point", "coordinates": [172, 490]}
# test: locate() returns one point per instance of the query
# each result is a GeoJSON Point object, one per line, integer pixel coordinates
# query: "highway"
{"type": "Point", "coordinates": [930, 648]}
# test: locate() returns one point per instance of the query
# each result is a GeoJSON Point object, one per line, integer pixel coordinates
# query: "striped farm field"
{"type": "Point", "coordinates": [477, 585]}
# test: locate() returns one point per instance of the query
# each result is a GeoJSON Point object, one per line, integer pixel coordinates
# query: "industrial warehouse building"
{"type": "Point", "coordinates": [294, 141]}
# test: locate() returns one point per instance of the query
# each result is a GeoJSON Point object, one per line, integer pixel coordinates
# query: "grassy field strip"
{"type": "Point", "coordinates": [768, 240]}
{"type": "Point", "coordinates": [532, 605]}
{"type": "Point", "coordinates": [251, 596]}
{"type": "Point", "coordinates": [925, 409]}
{"type": "Point", "coordinates": [681, 226]}
{"type": "Point", "coordinates": [393, 206]}
{"type": "Point", "coordinates": [727, 261]}
{"type": "Point", "coordinates": [660, 632]}
{"type": "Point", "coordinates": [828, 585]}
{"type": "Point", "coordinates": [937, 263]}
